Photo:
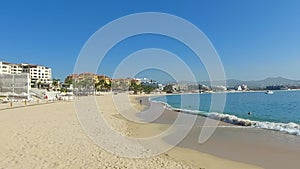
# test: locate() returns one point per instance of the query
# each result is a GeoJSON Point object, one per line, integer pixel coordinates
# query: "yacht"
{"type": "Point", "coordinates": [269, 92]}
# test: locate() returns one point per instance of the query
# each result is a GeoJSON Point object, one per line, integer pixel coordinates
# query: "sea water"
{"type": "Point", "coordinates": [279, 111]}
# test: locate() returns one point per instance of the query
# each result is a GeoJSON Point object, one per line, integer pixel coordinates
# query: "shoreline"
{"type": "Point", "coordinates": [240, 144]}
{"type": "Point", "coordinates": [50, 136]}
{"type": "Point", "coordinates": [179, 153]}
{"type": "Point", "coordinates": [228, 91]}
{"type": "Point", "coordinates": [291, 128]}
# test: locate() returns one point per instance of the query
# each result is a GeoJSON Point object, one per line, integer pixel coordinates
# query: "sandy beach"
{"type": "Point", "coordinates": [260, 147]}
{"type": "Point", "coordinates": [150, 84]}
{"type": "Point", "coordinates": [50, 136]}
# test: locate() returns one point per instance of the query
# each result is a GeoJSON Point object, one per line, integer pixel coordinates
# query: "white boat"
{"type": "Point", "coordinates": [269, 92]}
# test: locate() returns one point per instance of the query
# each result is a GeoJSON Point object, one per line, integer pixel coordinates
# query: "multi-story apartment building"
{"type": "Point", "coordinates": [5, 68]}
{"type": "Point", "coordinates": [40, 75]}
{"type": "Point", "coordinates": [15, 69]}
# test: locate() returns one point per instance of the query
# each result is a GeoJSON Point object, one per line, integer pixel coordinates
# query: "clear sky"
{"type": "Point", "coordinates": [255, 39]}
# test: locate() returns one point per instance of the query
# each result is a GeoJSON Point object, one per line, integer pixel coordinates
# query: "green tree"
{"type": "Point", "coordinates": [69, 80]}
{"type": "Point", "coordinates": [55, 83]}
{"type": "Point", "coordinates": [100, 85]}
{"type": "Point", "coordinates": [148, 89]}
{"type": "Point", "coordinates": [135, 87]}
{"type": "Point", "coordinates": [168, 88]}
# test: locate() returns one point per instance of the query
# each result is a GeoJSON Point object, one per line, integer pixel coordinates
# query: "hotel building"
{"type": "Point", "coordinates": [40, 76]}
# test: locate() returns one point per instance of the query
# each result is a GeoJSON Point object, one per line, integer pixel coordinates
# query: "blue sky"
{"type": "Point", "coordinates": [255, 39]}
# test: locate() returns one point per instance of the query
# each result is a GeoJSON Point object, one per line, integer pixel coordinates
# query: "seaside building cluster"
{"type": "Point", "coordinates": [33, 79]}
{"type": "Point", "coordinates": [86, 82]}
{"type": "Point", "coordinates": [91, 83]}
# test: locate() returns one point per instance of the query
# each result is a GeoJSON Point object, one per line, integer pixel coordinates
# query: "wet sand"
{"type": "Point", "coordinates": [50, 136]}
{"type": "Point", "coordinates": [264, 148]}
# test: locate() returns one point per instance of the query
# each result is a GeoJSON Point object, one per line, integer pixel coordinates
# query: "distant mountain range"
{"type": "Point", "coordinates": [257, 83]}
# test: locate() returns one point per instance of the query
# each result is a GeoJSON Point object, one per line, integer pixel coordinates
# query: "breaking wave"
{"type": "Point", "coordinates": [289, 128]}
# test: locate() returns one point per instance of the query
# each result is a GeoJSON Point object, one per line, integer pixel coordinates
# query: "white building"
{"type": "Point", "coordinates": [239, 88]}
{"type": "Point", "coordinates": [15, 69]}
{"type": "Point", "coordinates": [39, 75]}
{"type": "Point", "coordinates": [161, 86]}
{"type": "Point", "coordinates": [242, 87]}
{"type": "Point", "coordinates": [5, 68]}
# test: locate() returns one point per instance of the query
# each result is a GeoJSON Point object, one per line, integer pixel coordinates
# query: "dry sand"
{"type": "Point", "coordinates": [265, 148]}
{"type": "Point", "coordinates": [50, 136]}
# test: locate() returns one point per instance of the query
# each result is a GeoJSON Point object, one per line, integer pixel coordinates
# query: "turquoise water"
{"type": "Point", "coordinates": [279, 111]}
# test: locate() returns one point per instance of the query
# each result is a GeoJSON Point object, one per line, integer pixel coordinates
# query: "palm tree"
{"type": "Point", "coordinates": [55, 83]}
{"type": "Point", "coordinates": [135, 87]}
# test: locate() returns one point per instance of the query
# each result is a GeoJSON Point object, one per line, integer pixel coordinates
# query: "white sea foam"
{"type": "Point", "coordinates": [230, 119]}
{"type": "Point", "coordinates": [289, 128]}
